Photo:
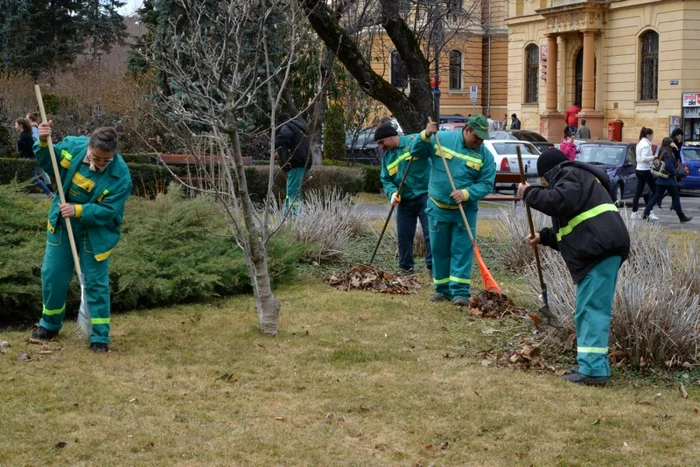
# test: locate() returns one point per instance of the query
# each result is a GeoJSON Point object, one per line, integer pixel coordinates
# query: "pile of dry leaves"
{"type": "Point", "coordinates": [373, 279]}
{"type": "Point", "coordinates": [493, 305]}
{"type": "Point", "coordinates": [527, 358]}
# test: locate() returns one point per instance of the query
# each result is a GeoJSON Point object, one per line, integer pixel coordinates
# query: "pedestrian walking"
{"type": "Point", "coordinates": [97, 183]}
{"type": "Point", "coordinates": [25, 145]}
{"type": "Point", "coordinates": [666, 181]}
{"type": "Point", "coordinates": [571, 119]}
{"type": "Point", "coordinates": [412, 201]}
{"type": "Point", "coordinates": [515, 122]}
{"type": "Point", "coordinates": [644, 158]}
{"type": "Point", "coordinates": [473, 169]}
{"type": "Point", "coordinates": [583, 131]}
{"type": "Point", "coordinates": [593, 240]}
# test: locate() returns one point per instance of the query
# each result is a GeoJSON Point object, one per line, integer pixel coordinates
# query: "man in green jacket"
{"type": "Point", "coordinates": [473, 170]}
{"type": "Point", "coordinates": [97, 183]}
{"type": "Point", "coordinates": [414, 194]}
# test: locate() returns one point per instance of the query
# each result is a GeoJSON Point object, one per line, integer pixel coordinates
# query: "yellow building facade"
{"type": "Point", "coordinates": [475, 53]}
{"type": "Point", "coordinates": [627, 60]}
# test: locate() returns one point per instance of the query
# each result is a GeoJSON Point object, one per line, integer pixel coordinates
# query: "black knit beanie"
{"type": "Point", "coordinates": [548, 160]}
{"type": "Point", "coordinates": [385, 131]}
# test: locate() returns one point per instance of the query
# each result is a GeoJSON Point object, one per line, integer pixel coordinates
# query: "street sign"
{"type": "Point", "coordinates": [473, 93]}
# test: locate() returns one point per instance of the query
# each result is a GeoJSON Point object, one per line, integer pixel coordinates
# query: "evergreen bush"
{"type": "Point", "coordinates": [168, 254]}
{"type": "Point", "coordinates": [334, 133]}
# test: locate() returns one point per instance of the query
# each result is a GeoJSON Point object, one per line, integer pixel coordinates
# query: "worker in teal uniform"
{"type": "Point", "coordinates": [414, 194]}
{"type": "Point", "coordinates": [473, 169]}
{"type": "Point", "coordinates": [97, 183]}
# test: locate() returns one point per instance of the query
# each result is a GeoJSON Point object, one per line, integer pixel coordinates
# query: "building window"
{"type": "Point", "coordinates": [455, 69]}
{"type": "Point", "coordinates": [532, 84]}
{"type": "Point", "coordinates": [650, 66]}
{"type": "Point", "coordinates": [399, 74]}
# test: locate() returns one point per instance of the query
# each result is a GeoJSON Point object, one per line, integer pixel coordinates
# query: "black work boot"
{"type": "Point", "coordinates": [99, 347]}
{"type": "Point", "coordinates": [459, 301]}
{"type": "Point", "coordinates": [580, 378]}
{"type": "Point", "coordinates": [44, 334]}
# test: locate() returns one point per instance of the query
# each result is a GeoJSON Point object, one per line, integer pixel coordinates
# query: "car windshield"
{"type": "Point", "coordinates": [602, 155]}
{"type": "Point", "coordinates": [530, 136]}
{"type": "Point", "coordinates": [501, 135]}
{"type": "Point", "coordinates": [509, 149]}
{"type": "Point", "coordinates": [691, 155]}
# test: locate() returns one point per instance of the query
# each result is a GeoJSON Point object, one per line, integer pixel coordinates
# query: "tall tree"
{"type": "Point", "coordinates": [45, 35]}
{"type": "Point", "coordinates": [414, 28]}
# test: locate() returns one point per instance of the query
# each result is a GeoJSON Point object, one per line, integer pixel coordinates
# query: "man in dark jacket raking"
{"type": "Point", "coordinates": [593, 240]}
{"type": "Point", "coordinates": [292, 148]}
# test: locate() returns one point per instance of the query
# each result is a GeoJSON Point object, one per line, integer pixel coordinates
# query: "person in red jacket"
{"type": "Point", "coordinates": [570, 117]}
{"type": "Point", "coordinates": [567, 145]}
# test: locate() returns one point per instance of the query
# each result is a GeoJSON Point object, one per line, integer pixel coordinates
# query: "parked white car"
{"type": "Point", "coordinates": [506, 158]}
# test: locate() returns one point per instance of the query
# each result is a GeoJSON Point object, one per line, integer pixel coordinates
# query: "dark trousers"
{"type": "Point", "coordinates": [660, 191]}
{"type": "Point", "coordinates": [408, 212]}
{"type": "Point", "coordinates": [644, 177]}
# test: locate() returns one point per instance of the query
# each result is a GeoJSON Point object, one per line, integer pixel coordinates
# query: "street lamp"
{"type": "Point", "coordinates": [138, 24]}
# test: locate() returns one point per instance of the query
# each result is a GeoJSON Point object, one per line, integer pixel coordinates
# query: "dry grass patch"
{"type": "Point", "coordinates": [353, 379]}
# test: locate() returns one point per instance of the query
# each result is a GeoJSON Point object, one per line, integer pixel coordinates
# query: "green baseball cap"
{"type": "Point", "coordinates": [479, 124]}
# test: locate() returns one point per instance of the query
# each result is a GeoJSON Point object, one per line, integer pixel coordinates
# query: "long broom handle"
{"type": "Point", "coordinates": [452, 184]}
{"type": "Point", "coordinates": [523, 180]}
{"type": "Point", "coordinates": [57, 174]}
{"type": "Point", "coordinates": [391, 211]}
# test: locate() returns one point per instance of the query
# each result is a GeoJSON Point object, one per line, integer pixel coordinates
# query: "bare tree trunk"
{"type": "Point", "coordinates": [320, 107]}
{"type": "Point", "coordinates": [267, 304]}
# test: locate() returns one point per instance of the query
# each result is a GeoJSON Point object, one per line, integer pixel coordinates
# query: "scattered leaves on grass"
{"type": "Point", "coordinates": [24, 357]}
{"type": "Point", "coordinates": [60, 445]}
{"type": "Point", "coordinates": [228, 378]}
{"type": "Point", "coordinates": [4, 345]}
{"type": "Point", "coordinates": [444, 445]}
{"type": "Point", "coordinates": [31, 340]}
{"type": "Point", "coordinates": [599, 420]}
{"type": "Point", "coordinates": [493, 305]}
{"type": "Point", "coordinates": [281, 419]}
{"type": "Point", "coordinates": [684, 393]}
{"type": "Point", "coordinates": [527, 358]}
{"type": "Point", "coordinates": [373, 279]}
{"type": "Point", "coordinates": [644, 403]}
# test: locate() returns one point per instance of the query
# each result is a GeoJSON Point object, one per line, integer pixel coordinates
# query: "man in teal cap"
{"type": "Point", "coordinates": [414, 194]}
{"type": "Point", "coordinates": [97, 183]}
{"type": "Point", "coordinates": [473, 170]}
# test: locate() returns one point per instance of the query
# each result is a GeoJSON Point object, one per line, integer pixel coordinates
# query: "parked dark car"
{"type": "Point", "coordinates": [619, 160]}
{"type": "Point", "coordinates": [690, 158]}
{"type": "Point", "coordinates": [456, 118]}
{"type": "Point", "coordinates": [361, 147]}
{"type": "Point", "coordinates": [537, 140]}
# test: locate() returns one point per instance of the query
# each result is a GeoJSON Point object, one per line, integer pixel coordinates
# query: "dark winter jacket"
{"type": "Point", "coordinates": [25, 145]}
{"type": "Point", "coordinates": [672, 167]}
{"type": "Point", "coordinates": [586, 226]}
{"type": "Point", "coordinates": [516, 124]}
{"type": "Point", "coordinates": [293, 146]}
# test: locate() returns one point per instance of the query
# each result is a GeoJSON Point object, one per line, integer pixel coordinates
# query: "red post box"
{"type": "Point", "coordinates": [615, 130]}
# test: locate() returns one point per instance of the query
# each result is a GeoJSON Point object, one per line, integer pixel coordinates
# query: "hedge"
{"type": "Point", "coordinates": [150, 179]}
{"type": "Point", "coordinates": [372, 181]}
{"type": "Point", "coordinates": [166, 256]}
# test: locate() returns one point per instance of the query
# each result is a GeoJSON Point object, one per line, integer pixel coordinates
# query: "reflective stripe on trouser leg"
{"type": "Point", "coordinates": [56, 274]}
{"type": "Point", "coordinates": [594, 300]}
{"type": "Point", "coordinates": [96, 274]}
{"type": "Point", "coordinates": [294, 198]}
{"type": "Point", "coordinates": [462, 254]}
{"type": "Point", "coordinates": [440, 243]}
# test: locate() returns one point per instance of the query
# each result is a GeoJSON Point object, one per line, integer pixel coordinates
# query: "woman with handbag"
{"type": "Point", "coordinates": [664, 167]}
{"type": "Point", "coordinates": [643, 171]}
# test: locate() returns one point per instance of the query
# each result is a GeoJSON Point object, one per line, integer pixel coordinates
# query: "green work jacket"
{"type": "Point", "coordinates": [394, 165]}
{"type": "Point", "coordinates": [473, 170]}
{"type": "Point", "coordinates": [102, 216]}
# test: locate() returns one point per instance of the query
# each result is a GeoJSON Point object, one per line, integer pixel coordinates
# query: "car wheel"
{"type": "Point", "coordinates": [619, 191]}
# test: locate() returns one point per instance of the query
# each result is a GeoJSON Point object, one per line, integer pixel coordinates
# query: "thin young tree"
{"type": "Point", "coordinates": [217, 62]}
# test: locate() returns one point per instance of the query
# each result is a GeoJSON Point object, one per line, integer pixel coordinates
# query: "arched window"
{"type": "Point", "coordinates": [532, 70]}
{"type": "Point", "coordinates": [455, 69]}
{"type": "Point", "coordinates": [650, 66]}
{"type": "Point", "coordinates": [399, 74]}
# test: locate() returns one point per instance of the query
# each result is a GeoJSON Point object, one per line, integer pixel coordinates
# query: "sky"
{"type": "Point", "coordinates": [130, 7]}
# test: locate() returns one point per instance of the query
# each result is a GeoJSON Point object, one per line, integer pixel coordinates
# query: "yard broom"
{"type": "Point", "coordinates": [489, 282]}
{"type": "Point", "coordinates": [544, 311]}
{"type": "Point", "coordinates": [84, 323]}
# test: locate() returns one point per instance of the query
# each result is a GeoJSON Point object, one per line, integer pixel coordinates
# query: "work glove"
{"type": "Point", "coordinates": [395, 199]}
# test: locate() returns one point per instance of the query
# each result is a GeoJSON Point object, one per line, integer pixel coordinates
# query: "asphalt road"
{"type": "Point", "coordinates": [668, 219]}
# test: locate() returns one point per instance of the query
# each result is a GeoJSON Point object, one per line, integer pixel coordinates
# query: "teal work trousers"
{"type": "Point", "coordinates": [594, 301]}
{"type": "Point", "coordinates": [294, 194]}
{"type": "Point", "coordinates": [57, 272]}
{"type": "Point", "coordinates": [452, 253]}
